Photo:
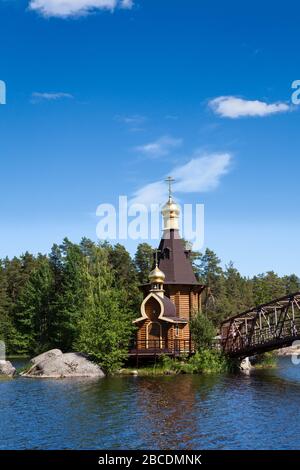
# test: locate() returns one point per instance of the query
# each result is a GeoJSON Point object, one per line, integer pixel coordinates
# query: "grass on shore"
{"type": "Point", "coordinates": [205, 361]}
{"type": "Point", "coordinates": [265, 361]}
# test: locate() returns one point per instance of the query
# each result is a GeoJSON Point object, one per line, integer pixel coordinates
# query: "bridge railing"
{"type": "Point", "coordinates": [267, 326]}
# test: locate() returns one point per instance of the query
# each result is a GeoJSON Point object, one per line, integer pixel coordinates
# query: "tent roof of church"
{"type": "Point", "coordinates": [174, 260]}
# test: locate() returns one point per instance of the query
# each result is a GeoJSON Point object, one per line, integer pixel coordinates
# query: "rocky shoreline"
{"type": "Point", "coordinates": [7, 369]}
{"type": "Point", "coordinates": [55, 364]}
{"type": "Point", "coordinates": [289, 351]}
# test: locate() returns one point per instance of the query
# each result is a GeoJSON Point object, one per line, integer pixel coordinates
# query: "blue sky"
{"type": "Point", "coordinates": [105, 99]}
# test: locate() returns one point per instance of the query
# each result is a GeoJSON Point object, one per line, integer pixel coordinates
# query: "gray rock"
{"type": "Point", "coordinates": [7, 369]}
{"type": "Point", "coordinates": [245, 365]}
{"type": "Point", "coordinates": [295, 349]}
{"type": "Point", "coordinates": [52, 354]}
{"type": "Point", "coordinates": [55, 364]}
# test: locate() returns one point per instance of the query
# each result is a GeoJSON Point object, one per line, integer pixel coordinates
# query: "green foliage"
{"type": "Point", "coordinates": [208, 361]}
{"type": "Point", "coordinates": [80, 296]}
{"type": "Point", "coordinates": [202, 331]}
{"type": "Point", "coordinates": [32, 310]}
{"type": "Point", "coordinates": [205, 361]}
{"type": "Point", "coordinates": [212, 275]}
{"type": "Point", "coordinates": [144, 261]}
{"type": "Point", "coordinates": [7, 330]}
{"type": "Point", "coordinates": [266, 360]}
{"type": "Point", "coordinates": [125, 276]}
{"type": "Point", "coordinates": [232, 293]}
{"type": "Point", "coordinates": [85, 296]}
{"type": "Point", "coordinates": [106, 324]}
{"type": "Point", "coordinates": [267, 287]}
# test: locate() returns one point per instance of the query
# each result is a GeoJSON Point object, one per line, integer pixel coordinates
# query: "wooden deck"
{"type": "Point", "coordinates": [154, 348]}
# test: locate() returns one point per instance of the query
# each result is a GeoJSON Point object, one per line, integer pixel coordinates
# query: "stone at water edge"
{"type": "Point", "coordinates": [7, 369]}
{"type": "Point", "coordinates": [290, 351]}
{"type": "Point", "coordinates": [245, 365]}
{"type": "Point", "coordinates": [55, 364]}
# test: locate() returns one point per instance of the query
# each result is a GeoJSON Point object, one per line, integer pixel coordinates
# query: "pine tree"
{"type": "Point", "coordinates": [105, 327]}
{"type": "Point", "coordinates": [7, 330]}
{"type": "Point", "coordinates": [267, 287]}
{"type": "Point", "coordinates": [238, 291]}
{"type": "Point", "coordinates": [211, 274]}
{"type": "Point", "coordinates": [202, 330]}
{"type": "Point", "coordinates": [33, 310]}
{"type": "Point", "coordinates": [144, 261]}
{"type": "Point", "coordinates": [291, 284]}
{"type": "Point", "coordinates": [68, 263]}
{"type": "Point", "coordinates": [125, 277]}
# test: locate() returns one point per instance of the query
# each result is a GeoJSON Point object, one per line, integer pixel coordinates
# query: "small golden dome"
{"type": "Point", "coordinates": [157, 276]}
{"type": "Point", "coordinates": [170, 209]}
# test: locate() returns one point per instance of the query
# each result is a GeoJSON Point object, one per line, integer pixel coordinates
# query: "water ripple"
{"type": "Point", "coordinates": [260, 411]}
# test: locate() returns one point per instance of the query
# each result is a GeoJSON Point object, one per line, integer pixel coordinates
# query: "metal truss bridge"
{"type": "Point", "coordinates": [264, 328]}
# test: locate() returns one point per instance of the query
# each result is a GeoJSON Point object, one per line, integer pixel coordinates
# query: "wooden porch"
{"type": "Point", "coordinates": [159, 347]}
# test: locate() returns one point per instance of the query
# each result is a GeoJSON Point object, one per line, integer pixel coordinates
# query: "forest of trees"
{"type": "Point", "coordinates": [84, 297]}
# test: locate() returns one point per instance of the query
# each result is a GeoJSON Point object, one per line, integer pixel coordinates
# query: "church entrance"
{"type": "Point", "coordinates": [154, 335]}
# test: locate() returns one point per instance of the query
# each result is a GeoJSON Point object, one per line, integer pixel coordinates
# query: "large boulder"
{"type": "Point", "coordinates": [55, 364]}
{"type": "Point", "coordinates": [7, 369]}
{"type": "Point", "coordinates": [49, 355]}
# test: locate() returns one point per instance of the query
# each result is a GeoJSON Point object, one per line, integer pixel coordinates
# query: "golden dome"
{"type": "Point", "coordinates": [157, 276]}
{"type": "Point", "coordinates": [171, 213]}
{"type": "Point", "coordinates": [171, 209]}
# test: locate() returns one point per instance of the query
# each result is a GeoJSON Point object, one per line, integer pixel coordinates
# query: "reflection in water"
{"type": "Point", "coordinates": [260, 411]}
{"type": "Point", "coordinates": [168, 406]}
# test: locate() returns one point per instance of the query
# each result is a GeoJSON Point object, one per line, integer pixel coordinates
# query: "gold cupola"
{"type": "Point", "coordinates": [157, 276]}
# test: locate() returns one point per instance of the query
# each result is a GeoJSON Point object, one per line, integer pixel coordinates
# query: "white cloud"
{"type": "Point", "coordinates": [153, 193]}
{"type": "Point", "coordinates": [133, 122]}
{"type": "Point", "coordinates": [126, 4]}
{"type": "Point", "coordinates": [131, 119]}
{"type": "Point", "coordinates": [233, 107]}
{"type": "Point", "coordinates": [45, 96]}
{"type": "Point", "coordinates": [66, 8]}
{"type": "Point", "coordinates": [160, 147]}
{"type": "Point", "coordinates": [202, 173]}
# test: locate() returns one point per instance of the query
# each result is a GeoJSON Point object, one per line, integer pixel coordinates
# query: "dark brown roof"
{"type": "Point", "coordinates": [169, 309]}
{"type": "Point", "coordinates": [174, 260]}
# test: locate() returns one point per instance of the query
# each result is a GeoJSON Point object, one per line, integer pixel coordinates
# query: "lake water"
{"type": "Point", "coordinates": [260, 411]}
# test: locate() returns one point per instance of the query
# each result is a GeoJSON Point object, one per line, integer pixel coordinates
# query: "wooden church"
{"type": "Point", "coordinates": [172, 296]}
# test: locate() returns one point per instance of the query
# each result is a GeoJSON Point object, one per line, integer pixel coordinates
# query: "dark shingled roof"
{"type": "Point", "coordinates": [169, 309]}
{"type": "Point", "coordinates": [174, 260]}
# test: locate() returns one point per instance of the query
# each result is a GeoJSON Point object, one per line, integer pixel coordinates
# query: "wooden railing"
{"type": "Point", "coordinates": [156, 347]}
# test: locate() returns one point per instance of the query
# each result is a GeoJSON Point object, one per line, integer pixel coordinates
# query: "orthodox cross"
{"type": "Point", "coordinates": [170, 181]}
